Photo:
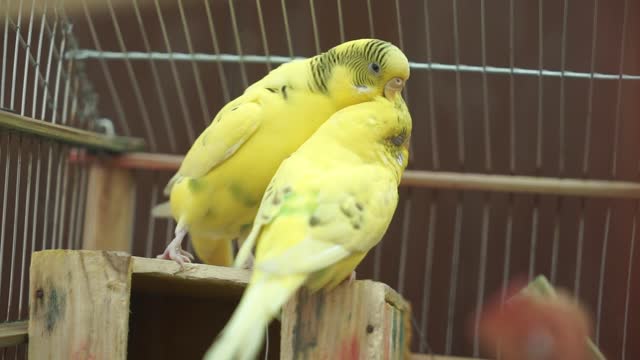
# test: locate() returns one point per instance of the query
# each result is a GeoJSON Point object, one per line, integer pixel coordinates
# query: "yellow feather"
{"type": "Point", "coordinates": [217, 190]}
{"type": "Point", "coordinates": [327, 205]}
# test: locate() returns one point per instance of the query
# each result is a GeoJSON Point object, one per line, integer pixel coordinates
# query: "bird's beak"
{"type": "Point", "coordinates": [393, 87]}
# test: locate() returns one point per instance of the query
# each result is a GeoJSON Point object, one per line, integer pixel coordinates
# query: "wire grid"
{"type": "Point", "coordinates": [42, 197]}
{"type": "Point", "coordinates": [512, 87]}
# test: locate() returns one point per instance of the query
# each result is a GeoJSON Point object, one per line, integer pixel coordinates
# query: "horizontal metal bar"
{"type": "Point", "coordinates": [85, 54]}
{"type": "Point", "coordinates": [14, 333]}
{"type": "Point", "coordinates": [68, 134]}
{"type": "Point", "coordinates": [431, 179]}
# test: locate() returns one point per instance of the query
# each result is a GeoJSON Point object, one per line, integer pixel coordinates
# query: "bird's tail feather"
{"type": "Point", "coordinates": [243, 335]}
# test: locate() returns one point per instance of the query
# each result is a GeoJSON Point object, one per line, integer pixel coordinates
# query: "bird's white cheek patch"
{"type": "Point", "coordinates": [363, 89]}
{"type": "Point", "coordinates": [400, 159]}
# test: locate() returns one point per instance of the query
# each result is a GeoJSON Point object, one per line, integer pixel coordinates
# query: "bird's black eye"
{"type": "Point", "coordinates": [397, 140]}
{"type": "Point", "coordinates": [375, 68]}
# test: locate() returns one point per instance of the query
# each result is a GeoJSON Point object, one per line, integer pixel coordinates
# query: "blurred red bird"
{"type": "Point", "coordinates": [533, 327]}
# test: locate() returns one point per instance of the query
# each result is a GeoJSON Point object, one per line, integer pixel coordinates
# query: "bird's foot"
{"type": "Point", "coordinates": [175, 252]}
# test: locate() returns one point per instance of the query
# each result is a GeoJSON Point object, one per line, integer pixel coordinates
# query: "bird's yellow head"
{"type": "Point", "coordinates": [360, 70]}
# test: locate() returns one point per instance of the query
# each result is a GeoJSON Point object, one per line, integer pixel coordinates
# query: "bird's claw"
{"type": "Point", "coordinates": [178, 255]}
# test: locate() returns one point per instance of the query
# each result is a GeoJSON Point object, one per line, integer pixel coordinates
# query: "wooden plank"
{"type": "Point", "coordinates": [374, 323]}
{"type": "Point", "coordinates": [196, 280]}
{"type": "Point", "coordinates": [69, 135]}
{"type": "Point", "coordinates": [79, 305]}
{"type": "Point", "coordinates": [13, 333]}
{"type": "Point", "coordinates": [110, 207]}
{"type": "Point", "coordinates": [436, 179]}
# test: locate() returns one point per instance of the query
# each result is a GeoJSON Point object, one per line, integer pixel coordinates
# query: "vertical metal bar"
{"type": "Point", "coordinates": [56, 205]}
{"type": "Point", "coordinates": [453, 282]}
{"type": "Point", "coordinates": [63, 198]}
{"type": "Point", "coordinates": [36, 196]}
{"type": "Point", "coordinates": [43, 21]}
{"type": "Point", "coordinates": [370, 15]}
{"type": "Point", "coordinates": [15, 58]}
{"type": "Point", "coordinates": [428, 271]}
{"type": "Point", "coordinates": [25, 241]}
{"type": "Point", "coordinates": [152, 223]}
{"type": "Point", "coordinates": [113, 92]}
{"type": "Point", "coordinates": [340, 21]}
{"type": "Point", "coordinates": [133, 80]}
{"type": "Point", "coordinates": [286, 27]}
{"type": "Point", "coordinates": [5, 195]}
{"type": "Point", "coordinates": [81, 208]}
{"type": "Point", "coordinates": [459, 113]}
{"type": "Point", "coordinates": [194, 67]}
{"type": "Point", "coordinates": [404, 242]}
{"type": "Point", "coordinates": [587, 151]}
{"type": "Point", "coordinates": [47, 193]}
{"type": "Point", "coordinates": [157, 83]}
{"type": "Point", "coordinates": [74, 207]}
{"type": "Point", "coordinates": [65, 28]}
{"type": "Point", "coordinates": [263, 33]}
{"type": "Point", "coordinates": [16, 210]}
{"type": "Point", "coordinates": [176, 77]}
{"type": "Point", "coordinates": [426, 295]}
{"type": "Point", "coordinates": [634, 234]}
{"type": "Point", "coordinates": [486, 208]}
{"type": "Point", "coordinates": [4, 55]}
{"type": "Point", "coordinates": [236, 36]}
{"type": "Point", "coordinates": [539, 137]}
{"type": "Point", "coordinates": [561, 144]}
{"type": "Point", "coordinates": [614, 168]}
{"type": "Point", "coordinates": [67, 89]}
{"type": "Point", "coordinates": [52, 41]}
{"type": "Point", "coordinates": [512, 152]}
{"type": "Point", "coordinates": [26, 61]}
{"type": "Point", "coordinates": [216, 49]}
{"type": "Point", "coordinates": [169, 231]}
{"type": "Point", "coordinates": [316, 37]}
{"type": "Point", "coordinates": [455, 258]}
{"type": "Point", "coordinates": [433, 125]}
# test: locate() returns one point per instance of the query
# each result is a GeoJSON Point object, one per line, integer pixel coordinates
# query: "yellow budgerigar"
{"type": "Point", "coordinates": [327, 205]}
{"type": "Point", "coordinates": [215, 194]}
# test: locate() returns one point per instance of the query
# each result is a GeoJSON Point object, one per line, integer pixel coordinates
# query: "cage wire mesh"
{"type": "Point", "coordinates": [42, 196]}
{"type": "Point", "coordinates": [541, 88]}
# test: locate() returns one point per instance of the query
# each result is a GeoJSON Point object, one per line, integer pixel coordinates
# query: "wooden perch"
{"type": "Point", "coordinates": [430, 179]}
{"type": "Point", "coordinates": [13, 333]}
{"type": "Point", "coordinates": [109, 305]}
{"type": "Point", "coordinates": [362, 320]}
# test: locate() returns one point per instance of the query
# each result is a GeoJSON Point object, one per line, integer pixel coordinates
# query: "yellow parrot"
{"type": "Point", "coordinates": [327, 205]}
{"type": "Point", "coordinates": [215, 194]}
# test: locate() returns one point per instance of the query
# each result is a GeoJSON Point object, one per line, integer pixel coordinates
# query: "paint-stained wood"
{"type": "Point", "coordinates": [13, 333]}
{"type": "Point", "coordinates": [79, 305]}
{"type": "Point", "coordinates": [109, 305]}
{"type": "Point", "coordinates": [362, 320]}
{"type": "Point", "coordinates": [109, 215]}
